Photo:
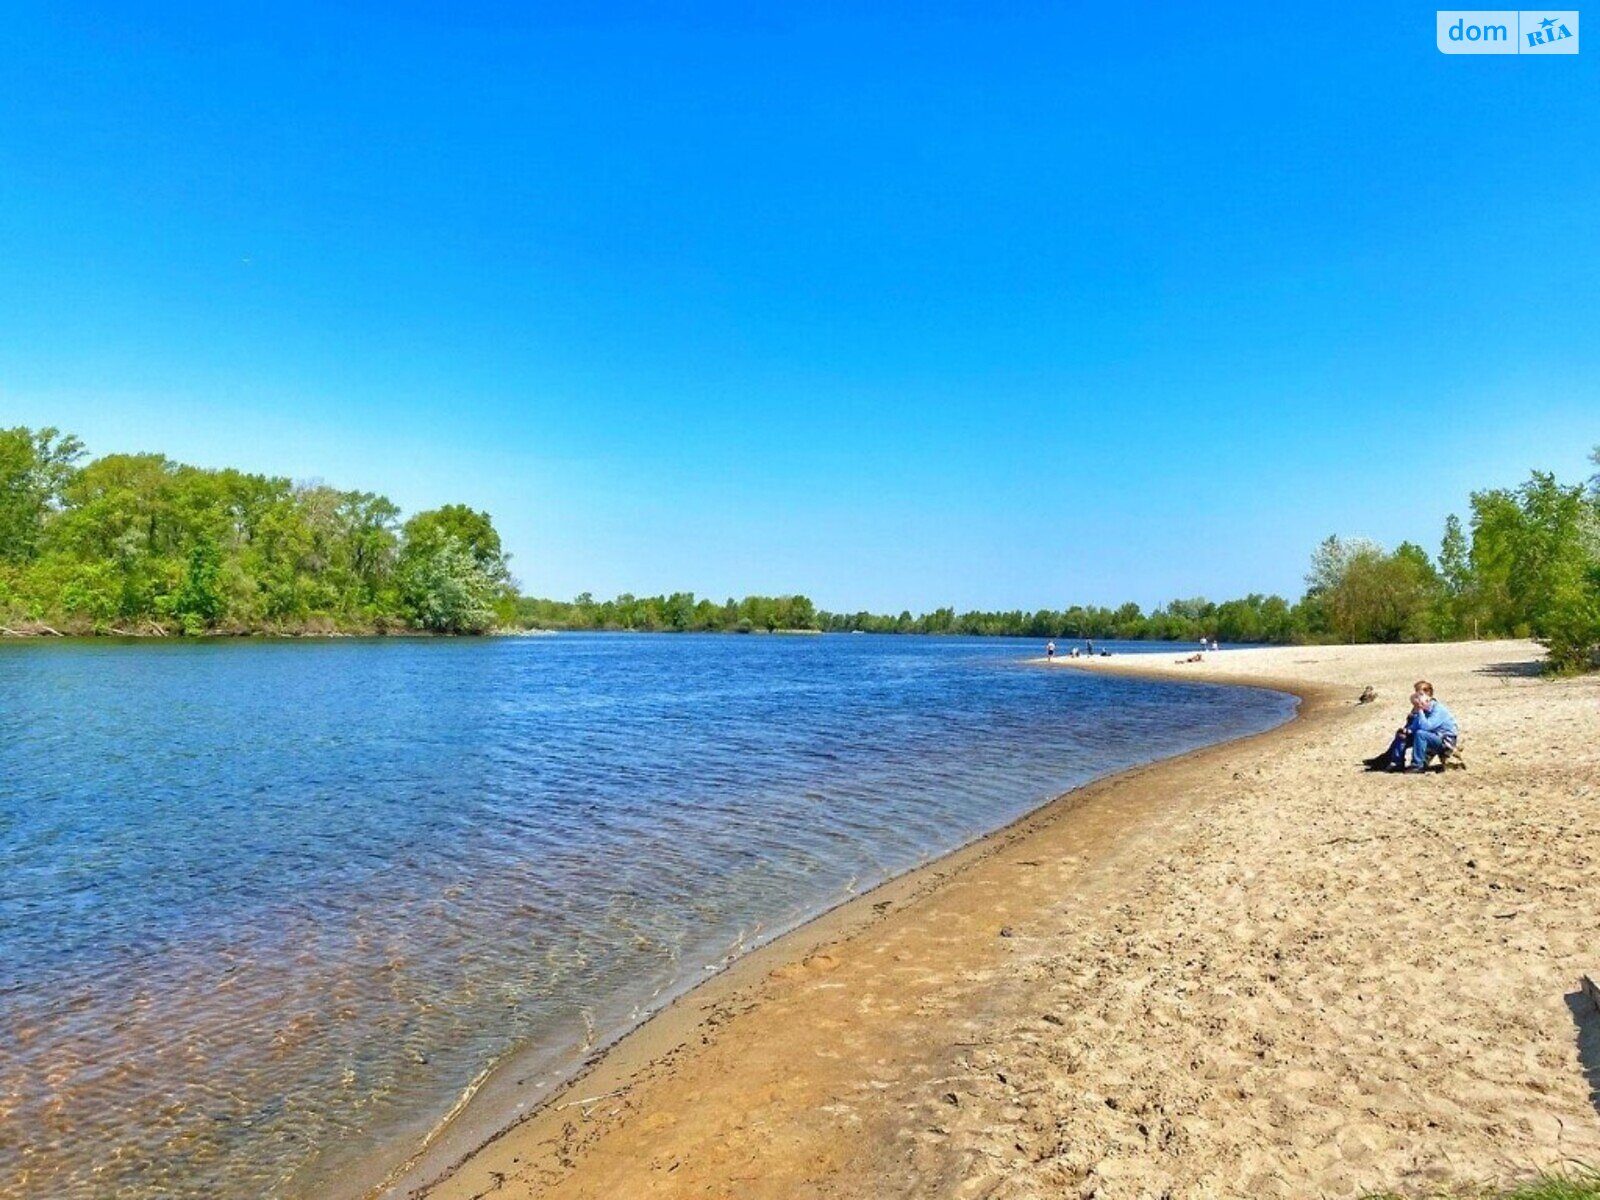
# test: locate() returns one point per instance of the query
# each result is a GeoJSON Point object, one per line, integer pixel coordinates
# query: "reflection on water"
{"type": "Point", "coordinates": [266, 907]}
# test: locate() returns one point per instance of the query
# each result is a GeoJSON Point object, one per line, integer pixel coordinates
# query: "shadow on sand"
{"type": "Point", "coordinates": [1586, 1016]}
{"type": "Point", "coordinates": [1513, 670]}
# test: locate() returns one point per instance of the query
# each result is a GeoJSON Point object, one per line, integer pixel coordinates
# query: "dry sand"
{"type": "Point", "coordinates": [1252, 971]}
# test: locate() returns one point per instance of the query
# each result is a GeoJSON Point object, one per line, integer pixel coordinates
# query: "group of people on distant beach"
{"type": "Point", "coordinates": [1204, 646]}
{"type": "Point", "coordinates": [1430, 731]}
{"type": "Point", "coordinates": [1075, 652]}
{"type": "Point", "coordinates": [1088, 650]}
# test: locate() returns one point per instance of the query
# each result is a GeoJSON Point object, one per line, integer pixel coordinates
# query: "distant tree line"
{"type": "Point", "coordinates": [138, 543]}
{"type": "Point", "coordinates": [1255, 618]}
{"type": "Point", "coordinates": [1528, 565]}
{"type": "Point", "coordinates": [678, 613]}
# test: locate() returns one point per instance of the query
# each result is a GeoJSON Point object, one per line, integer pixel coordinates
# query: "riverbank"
{"type": "Point", "coordinates": [150, 628]}
{"type": "Point", "coordinates": [1253, 970]}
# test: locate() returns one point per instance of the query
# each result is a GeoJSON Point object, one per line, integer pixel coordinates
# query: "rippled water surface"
{"type": "Point", "coordinates": [267, 908]}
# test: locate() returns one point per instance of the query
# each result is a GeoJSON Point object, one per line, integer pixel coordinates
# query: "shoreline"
{"type": "Point", "coordinates": [495, 1109]}
{"type": "Point", "coordinates": [28, 631]}
{"type": "Point", "coordinates": [1195, 977]}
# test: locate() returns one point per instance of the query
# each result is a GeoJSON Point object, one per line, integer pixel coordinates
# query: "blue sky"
{"type": "Point", "coordinates": [897, 305]}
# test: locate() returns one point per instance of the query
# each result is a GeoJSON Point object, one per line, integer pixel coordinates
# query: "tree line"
{"type": "Point", "coordinates": [1527, 564]}
{"type": "Point", "coordinates": [1256, 618]}
{"type": "Point", "coordinates": [138, 543]}
{"type": "Point", "coordinates": [680, 612]}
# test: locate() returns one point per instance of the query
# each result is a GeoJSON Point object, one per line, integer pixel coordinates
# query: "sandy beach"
{"type": "Point", "coordinates": [1256, 970]}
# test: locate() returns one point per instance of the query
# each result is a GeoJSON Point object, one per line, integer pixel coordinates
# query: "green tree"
{"type": "Point", "coordinates": [1497, 530]}
{"type": "Point", "coordinates": [136, 538]}
{"type": "Point", "coordinates": [447, 590]}
{"type": "Point", "coordinates": [1455, 563]}
{"type": "Point", "coordinates": [474, 531]}
{"type": "Point", "coordinates": [1536, 556]}
{"type": "Point", "coordinates": [199, 602]}
{"type": "Point", "coordinates": [677, 612]}
{"type": "Point", "coordinates": [35, 469]}
{"type": "Point", "coordinates": [1455, 577]}
{"type": "Point", "coordinates": [796, 612]}
{"type": "Point", "coordinates": [1367, 595]}
{"type": "Point", "coordinates": [370, 528]}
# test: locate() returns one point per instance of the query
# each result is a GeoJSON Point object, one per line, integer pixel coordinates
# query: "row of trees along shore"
{"type": "Point", "coordinates": [137, 543]}
{"type": "Point", "coordinates": [1526, 565]}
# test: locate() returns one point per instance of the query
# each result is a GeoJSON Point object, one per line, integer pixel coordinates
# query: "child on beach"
{"type": "Point", "coordinates": [1394, 758]}
{"type": "Point", "coordinates": [1429, 730]}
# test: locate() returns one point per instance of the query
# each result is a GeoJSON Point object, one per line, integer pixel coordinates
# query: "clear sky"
{"type": "Point", "coordinates": [897, 305]}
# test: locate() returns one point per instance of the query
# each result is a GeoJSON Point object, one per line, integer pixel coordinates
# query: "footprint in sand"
{"type": "Point", "coordinates": [817, 964]}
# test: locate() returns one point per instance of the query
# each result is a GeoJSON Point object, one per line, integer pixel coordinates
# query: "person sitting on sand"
{"type": "Point", "coordinates": [1429, 730]}
{"type": "Point", "coordinates": [1436, 731]}
{"type": "Point", "coordinates": [1394, 758]}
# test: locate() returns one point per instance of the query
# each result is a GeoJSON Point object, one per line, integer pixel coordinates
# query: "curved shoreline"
{"type": "Point", "coordinates": [498, 1110]}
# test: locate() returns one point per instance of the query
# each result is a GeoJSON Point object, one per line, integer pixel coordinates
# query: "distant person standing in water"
{"type": "Point", "coordinates": [1049, 650]}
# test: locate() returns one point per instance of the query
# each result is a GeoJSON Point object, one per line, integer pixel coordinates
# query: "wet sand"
{"type": "Point", "coordinates": [1254, 970]}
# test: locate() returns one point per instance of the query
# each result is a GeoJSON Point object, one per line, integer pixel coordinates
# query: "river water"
{"type": "Point", "coordinates": [267, 908]}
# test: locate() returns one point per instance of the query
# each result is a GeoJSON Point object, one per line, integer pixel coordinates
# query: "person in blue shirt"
{"type": "Point", "coordinates": [1434, 729]}
{"type": "Point", "coordinates": [1394, 758]}
{"type": "Point", "coordinates": [1427, 731]}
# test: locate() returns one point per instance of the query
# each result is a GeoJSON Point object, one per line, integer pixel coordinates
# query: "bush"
{"type": "Point", "coordinates": [1571, 624]}
{"type": "Point", "coordinates": [446, 591]}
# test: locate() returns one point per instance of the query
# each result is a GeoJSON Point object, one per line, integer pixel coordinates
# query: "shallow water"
{"type": "Point", "coordinates": [267, 908]}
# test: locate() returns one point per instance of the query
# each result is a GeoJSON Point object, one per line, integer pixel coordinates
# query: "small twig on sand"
{"type": "Point", "coordinates": [589, 1100]}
